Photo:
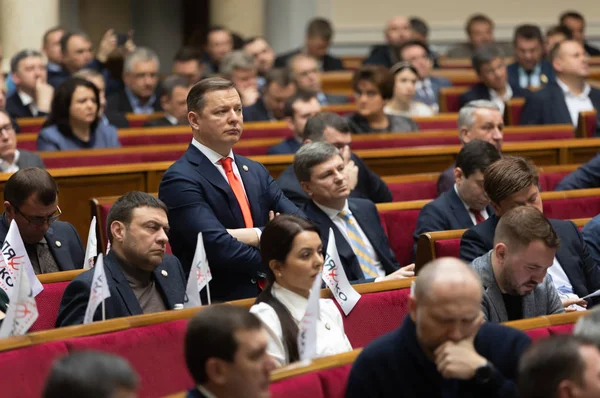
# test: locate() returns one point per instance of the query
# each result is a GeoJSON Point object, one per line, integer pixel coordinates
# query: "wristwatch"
{"type": "Point", "coordinates": [483, 374]}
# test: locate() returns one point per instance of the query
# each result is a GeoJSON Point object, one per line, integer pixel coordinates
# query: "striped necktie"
{"type": "Point", "coordinates": [365, 260]}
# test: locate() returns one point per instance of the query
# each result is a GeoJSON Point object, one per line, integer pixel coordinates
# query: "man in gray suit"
{"type": "Point", "coordinates": [11, 158]}
{"type": "Point", "coordinates": [514, 273]}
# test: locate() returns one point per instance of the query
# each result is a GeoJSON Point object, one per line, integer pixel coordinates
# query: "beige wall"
{"type": "Point", "coordinates": [95, 17]}
{"type": "Point", "coordinates": [245, 17]}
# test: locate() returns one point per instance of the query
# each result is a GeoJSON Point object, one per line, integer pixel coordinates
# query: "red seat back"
{"type": "Point", "coordinates": [447, 248]}
{"type": "Point", "coordinates": [435, 123]}
{"type": "Point", "coordinates": [450, 99]}
{"type": "Point", "coordinates": [283, 132]}
{"type": "Point", "coordinates": [400, 225]}
{"type": "Point", "coordinates": [307, 385]}
{"type": "Point", "coordinates": [28, 145]}
{"type": "Point", "coordinates": [48, 303]}
{"type": "Point", "coordinates": [513, 111]}
{"type": "Point", "coordinates": [537, 333]}
{"type": "Point", "coordinates": [404, 142]}
{"type": "Point", "coordinates": [547, 331]}
{"type": "Point", "coordinates": [335, 380]}
{"type": "Point", "coordinates": [567, 209]}
{"type": "Point", "coordinates": [413, 190]}
{"type": "Point", "coordinates": [167, 138]}
{"type": "Point", "coordinates": [549, 181]}
{"type": "Point", "coordinates": [545, 135]}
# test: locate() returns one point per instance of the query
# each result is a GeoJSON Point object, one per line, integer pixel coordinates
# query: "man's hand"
{"type": "Point", "coordinates": [568, 302]}
{"type": "Point", "coordinates": [458, 360]}
{"type": "Point", "coordinates": [404, 272]}
{"type": "Point", "coordinates": [249, 96]}
{"type": "Point", "coordinates": [108, 44]}
{"type": "Point", "coordinates": [245, 235]}
{"type": "Point", "coordinates": [272, 215]}
{"type": "Point", "coordinates": [43, 95]}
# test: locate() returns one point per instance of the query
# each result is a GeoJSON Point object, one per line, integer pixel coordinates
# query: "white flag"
{"type": "Point", "coordinates": [199, 276]}
{"type": "Point", "coordinates": [307, 330]}
{"type": "Point", "coordinates": [98, 292]}
{"type": "Point", "coordinates": [22, 309]}
{"type": "Point", "coordinates": [336, 279]}
{"type": "Point", "coordinates": [14, 257]}
{"type": "Point", "coordinates": [91, 250]}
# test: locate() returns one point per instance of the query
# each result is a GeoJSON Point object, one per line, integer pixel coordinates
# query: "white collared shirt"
{"type": "Point", "coordinates": [27, 100]}
{"type": "Point", "coordinates": [533, 79]}
{"type": "Point", "coordinates": [501, 101]}
{"type": "Point", "coordinates": [483, 212]}
{"type": "Point", "coordinates": [6, 167]}
{"type": "Point", "coordinates": [205, 392]}
{"type": "Point", "coordinates": [172, 119]}
{"type": "Point", "coordinates": [576, 103]}
{"type": "Point", "coordinates": [331, 338]}
{"type": "Point", "coordinates": [339, 222]}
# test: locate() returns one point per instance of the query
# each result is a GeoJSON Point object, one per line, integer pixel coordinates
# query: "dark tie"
{"type": "Point", "coordinates": [45, 259]}
{"type": "Point", "coordinates": [478, 217]}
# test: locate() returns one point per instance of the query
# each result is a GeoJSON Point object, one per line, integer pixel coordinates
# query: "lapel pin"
{"type": "Point", "coordinates": [58, 244]}
{"type": "Point", "coordinates": [245, 167]}
{"type": "Point", "coordinates": [544, 78]}
{"type": "Point", "coordinates": [327, 326]}
{"type": "Point", "coordinates": [164, 273]}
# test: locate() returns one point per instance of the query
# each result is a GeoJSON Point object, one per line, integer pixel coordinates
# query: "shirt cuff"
{"type": "Point", "coordinates": [258, 232]}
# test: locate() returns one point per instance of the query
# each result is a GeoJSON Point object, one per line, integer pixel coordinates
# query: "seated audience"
{"type": "Point", "coordinates": [31, 199]}
{"type": "Point", "coordinates": [319, 34]}
{"type": "Point", "coordinates": [51, 48]}
{"type": "Point", "coordinates": [33, 95]}
{"type": "Point", "coordinates": [477, 120]}
{"type": "Point", "coordinates": [560, 366]}
{"type": "Point", "coordinates": [373, 86]}
{"type": "Point", "coordinates": [575, 22]}
{"type": "Point", "coordinates": [11, 158]}
{"type": "Point", "coordinates": [219, 43]}
{"type": "Point", "coordinates": [402, 102]}
{"type": "Point", "coordinates": [227, 197]}
{"type": "Point", "coordinates": [304, 71]}
{"type": "Point", "coordinates": [420, 33]}
{"type": "Point", "coordinates": [141, 278]}
{"type": "Point", "coordinates": [591, 236]}
{"type": "Point", "coordinates": [226, 354]}
{"type": "Point", "coordinates": [444, 347]}
{"type": "Point", "coordinates": [514, 181]}
{"type": "Point", "coordinates": [489, 65]}
{"type": "Point", "coordinates": [466, 204]}
{"type": "Point", "coordinates": [116, 119]}
{"type": "Point", "coordinates": [517, 282]}
{"type": "Point", "coordinates": [427, 87]}
{"type": "Point", "coordinates": [397, 32]}
{"type": "Point", "coordinates": [239, 67]}
{"type": "Point", "coordinates": [140, 75]}
{"type": "Point", "coordinates": [530, 68]}
{"type": "Point", "coordinates": [91, 374]}
{"type": "Point", "coordinates": [292, 252]}
{"type": "Point", "coordinates": [560, 102]}
{"type": "Point", "coordinates": [264, 57]}
{"type": "Point", "coordinates": [480, 30]}
{"type": "Point", "coordinates": [586, 176]}
{"type": "Point", "coordinates": [74, 121]}
{"type": "Point", "coordinates": [187, 63]}
{"type": "Point", "coordinates": [297, 110]}
{"type": "Point", "coordinates": [270, 106]}
{"type": "Point", "coordinates": [333, 129]}
{"type": "Point", "coordinates": [556, 34]}
{"type": "Point", "coordinates": [361, 242]}
{"type": "Point", "coordinates": [173, 100]}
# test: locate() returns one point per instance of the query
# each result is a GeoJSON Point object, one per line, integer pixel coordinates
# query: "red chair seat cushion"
{"type": "Point", "coordinates": [567, 328]}
{"type": "Point", "coordinates": [537, 333]}
{"type": "Point", "coordinates": [447, 248]}
{"type": "Point", "coordinates": [282, 132]}
{"type": "Point", "coordinates": [549, 181]}
{"type": "Point", "coordinates": [308, 385]}
{"type": "Point", "coordinates": [567, 209]}
{"type": "Point", "coordinates": [434, 124]}
{"type": "Point", "coordinates": [400, 225]}
{"type": "Point", "coordinates": [334, 381]}
{"type": "Point", "coordinates": [413, 190]}
{"type": "Point", "coordinates": [48, 303]}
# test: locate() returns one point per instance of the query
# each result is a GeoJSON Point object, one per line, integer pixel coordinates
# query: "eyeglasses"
{"type": "Point", "coordinates": [7, 128]}
{"type": "Point", "coordinates": [39, 221]}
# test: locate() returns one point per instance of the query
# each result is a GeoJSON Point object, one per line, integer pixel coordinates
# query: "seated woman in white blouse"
{"type": "Point", "coordinates": [405, 87]}
{"type": "Point", "coordinates": [292, 250]}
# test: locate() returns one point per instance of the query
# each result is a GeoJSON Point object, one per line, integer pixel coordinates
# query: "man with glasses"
{"type": "Point", "coordinates": [31, 199]}
{"type": "Point", "coordinates": [11, 158]}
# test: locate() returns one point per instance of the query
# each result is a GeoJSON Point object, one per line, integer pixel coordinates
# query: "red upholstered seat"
{"type": "Point", "coordinates": [154, 351]}
{"type": "Point", "coordinates": [27, 145]}
{"type": "Point", "coordinates": [413, 190]}
{"type": "Point", "coordinates": [537, 333]}
{"type": "Point", "coordinates": [107, 159]}
{"type": "Point", "coordinates": [48, 303]}
{"type": "Point", "coordinates": [549, 135]}
{"type": "Point", "coordinates": [400, 225]}
{"type": "Point", "coordinates": [590, 122]}
{"type": "Point", "coordinates": [167, 138]}
{"type": "Point", "coordinates": [374, 315]}
{"type": "Point", "coordinates": [33, 128]}
{"type": "Point", "coordinates": [24, 370]}
{"type": "Point", "coordinates": [451, 98]}
{"type": "Point", "coordinates": [513, 112]}
{"type": "Point", "coordinates": [567, 328]}
{"type": "Point", "coordinates": [549, 181]}
{"type": "Point", "coordinates": [566, 209]}
{"type": "Point", "coordinates": [334, 381]}
{"type": "Point", "coordinates": [252, 151]}
{"type": "Point", "coordinates": [436, 123]}
{"type": "Point", "coordinates": [282, 132]}
{"type": "Point", "coordinates": [403, 142]}
{"type": "Point", "coordinates": [138, 122]}
{"type": "Point", "coordinates": [447, 248]}
{"type": "Point", "coordinates": [308, 385]}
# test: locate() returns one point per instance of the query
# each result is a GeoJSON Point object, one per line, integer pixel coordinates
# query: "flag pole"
{"type": "Point", "coordinates": [103, 311]}
{"type": "Point", "coordinates": [208, 292]}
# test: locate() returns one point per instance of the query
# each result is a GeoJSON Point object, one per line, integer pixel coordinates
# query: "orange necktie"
{"type": "Point", "coordinates": [238, 191]}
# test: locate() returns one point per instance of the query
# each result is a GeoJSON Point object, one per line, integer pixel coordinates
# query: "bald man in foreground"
{"type": "Point", "coordinates": [444, 348]}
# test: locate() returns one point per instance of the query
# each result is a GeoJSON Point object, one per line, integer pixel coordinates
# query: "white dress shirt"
{"type": "Point", "coordinates": [205, 392]}
{"type": "Point", "coordinates": [563, 284]}
{"type": "Point", "coordinates": [340, 223]}
{"type": "Point", "coordinates": [501, 101]}
{"type": "Point", "coordinates": [576, 103]}
{"type": "Point", "coordinates": [172, 119]}
{"type": "Point", "coordinates": [6, 167]}
{"type": "Point", "coordinates": [27, 100]}
{"type": "Point", "coordinates": [416, 109]}
{"type": "Point", "coordinates": [483, 212]}
{"type": "Point", "coordinates": [331, 338]}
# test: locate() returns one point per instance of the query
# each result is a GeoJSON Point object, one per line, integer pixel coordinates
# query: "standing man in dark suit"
{"type": "Point", "coordinates": [466, 204]}
{"type": "Point", "coordinates": [270, 105]}
{"type": "Point", "coordinates": [319, 34]}
{"type": "Point", "coordinates": [141, 278]}
{"type": "Point", "coordinates": [443, 348]}
{"type": "Point", "coordinates": [587, 176]}
{"type": "Point", "coordinates": [11, 158]}
{"type": "Point", "coordinates": [560, 102]}
{"type": "Point", "coordinates": [333, 129]}
{"type": "Point", "coordinates": [304, 70]}
{"type": "Point", "coordinates": [227, 197]}
{"type": "Point", "coordinates": [477, 120]}
{"type": "Point", "coordinates": [511, 182]}
{"type": "Point", "coordinates": [397, 32]}
{"type": "Point", "coordinates": [361, 242]}
{"type": "Point", "coordinates": [575, 22]}
{"type": "Point", "coordinates": [173, 100]}
{"type": "Point", "coordinates": [31, 199]}
{"type": "Point", "coordinates": [488, 62]}
{"type": "Point", "coordinates": [33, 95]}
{"type": "Point", "coordinates": [530, 69]}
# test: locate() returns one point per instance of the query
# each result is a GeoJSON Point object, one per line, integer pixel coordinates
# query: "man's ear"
{"type": "Point", "coordinates": [194, 120]}
{"type": "Point", "coordinates": [306, 188]}
{"type": "Point", "coordinates": [496, 208]}
{"type": "Point", "coordinates": [412, 307]}
{"type": "Point", "coordinates": [458, 175]}
{"type": "Point", "coordinates": [463, 135]}
{"type": "Point", "coordinates": [117, 230]}
{"type": "Point", "coordinates": [216, 371]}
{"type": "Point", "coordinates": [164, 101]}
{"type": "Point", "coordinates": [288, 121]}
{"type": "Point", "coordinates": [9, 209]}
{"type": "Point", "coordinates": [500, 251]}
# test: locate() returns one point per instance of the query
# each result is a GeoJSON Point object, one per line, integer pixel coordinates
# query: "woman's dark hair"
{"type": "Point", "coordinates": [400, 66]}
{"type": "Point", "coordinates": [379, 76]}
{"type": "Point", "coordinates": [275, 244]}
{"type": "Point", "coordinates": [61, 104]}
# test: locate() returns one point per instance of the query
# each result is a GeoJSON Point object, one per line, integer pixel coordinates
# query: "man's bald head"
{"type": "Point", "coordinates": [398, 31]}
{"type": "Point", "coordinates": [443, 275]}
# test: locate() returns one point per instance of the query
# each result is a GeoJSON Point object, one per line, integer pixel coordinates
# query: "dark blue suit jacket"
{"type": "Point", "coordinates": [200, 200]}
{"type": "Point", "coordinates": [369, 185]}
{"type": "Point", "coordinates": [365, 213]}
{"type": "Point", "coordinates": [194, 393]}
{"type": "Point", "coordinates": [591, 236]}
{"type": "Point", "coordinates": [395, 366]}
{"type": "Point", "coordinates": [513, 73]}
{"type": "Point", "coordinates": [257, 112]}
{"type": "Point", "coordinates": [289, 146]}
{"type": "Point", "coordinates": [69, 255]}
{"type": "Point", "coordinates": [122, 300]}
{"type": "Point", "coordinates": [587, 176]}
{"type": "Point", "coordinates": [381, 54]}
{"type": "Point", "coordinates": [481, 92]}
{"type": "Point", "coordinates": [16, 109]}
{"type": "Point", "coordinates": [329, 62]}
{"type": "Point", "coordinates": [573, 254]}
{"type": "Point", "coordinates": [548, 106]}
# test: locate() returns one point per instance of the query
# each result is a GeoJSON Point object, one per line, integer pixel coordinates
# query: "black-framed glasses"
{"type": "Point", "coordinates": [39, 221]}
